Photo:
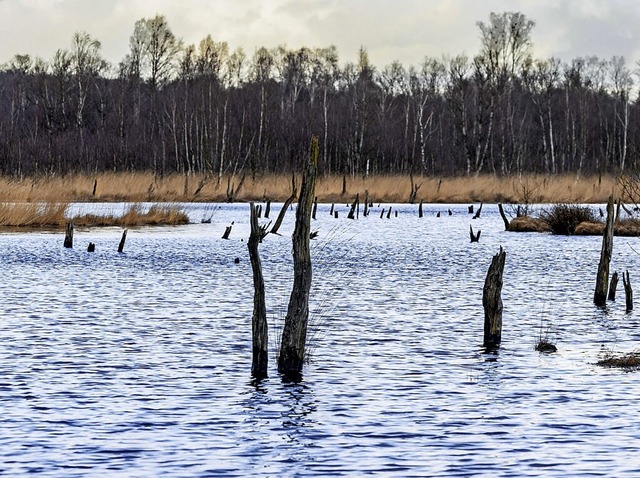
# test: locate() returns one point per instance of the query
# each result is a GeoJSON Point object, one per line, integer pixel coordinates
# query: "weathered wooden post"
{"type": "Point", "coordinates": [628, 291]}
{"type": "Point", "coordinates": [294, 333]}
{"type": "Point", "coordinates": [68, 236]}
{"type": "Point", "coordinates": [492, 301]}
{"type": "Point", "coordinates": [331, 210]}
{"type": "Point", "coordinates": [124, 238]}
{"type": "Point", "coordinates": [382, 213]}
{"type": "Point", "coordinates": [259, 327]}
{"type": "Point", "coordinates": [602, 278]}
{"type": "Point", "coordinates": [613, 285]}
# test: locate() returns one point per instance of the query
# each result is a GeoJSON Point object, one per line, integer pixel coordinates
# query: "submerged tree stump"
{"type": "Point", "coordinates": [365, 213]}
{"type": "Point", "coordinates": [474, 237]}
{"type": "Point", "coordinates": [267, 209]}
{"type": "Point", "coordinates": [287, 203]}
{"type": "Point", "coordinates": [122, 240]}
{"type": "Point", "coordinates": [227, 231]}
{"type": "Point", "coordinates": [504, 217]}
{"type": "Point", "coordinates": [628, 291]}
{"type": "Point", "coordinates": [68, 236]}
{"type": "Point", "coordinates": [602, 278]}
{"type": "Point", "coordinates": [613, 285]}
{"type": "Point", "coordinates": [354, 212]}
{"type": "Point", "coordinates": [294, 333]}
{"type": "Point", "coordinates": [420, 213]}
{"type": "Point", "coordinates": [478, 212]}
{"type": "Point", "coordinates": [492, 301]}
{"type": "Point", "coordinates": [91, 247]}
{"type": "Point", "coordinates": [259, 327]}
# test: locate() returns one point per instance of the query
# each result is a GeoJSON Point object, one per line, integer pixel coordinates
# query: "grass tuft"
{"type": "Point", "coordinates": [564, 218]}
{"type": "Point", "coordinates": [630, 360]}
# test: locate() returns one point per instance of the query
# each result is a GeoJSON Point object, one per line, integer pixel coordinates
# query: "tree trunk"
{"type": "Point", "coordinates": [504, 217]}
{"type": "Point", "coordinates": [294, 333]}
{"type": "Point", "coordinates": [628, 291]}
{"type": "Point", "coordinates": [122, 239]}
{"type": "Point", "coordinates": [68, 236]}
{"type": "Point", "coordinates": [287, 203]}
{"type": "Point", "coordinates": [602, 278]}
{"type": "Point", "coordinates": [259, 328]}
{"type": "Point", "coordinates": [492, 301]}
{"type": "Point", "coordinates": [613, 286]}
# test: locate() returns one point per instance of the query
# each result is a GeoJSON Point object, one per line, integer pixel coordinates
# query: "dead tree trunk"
{"type": "Point", "coordinates": [95, 186]}
{"type": "Point", "coordinates": [478, 212]}
{"type": "Point", "coordinates": [355, 208]}
{"type": "Point", "coordinates": [287, 203]}
{"type": "Point", "coordinates": [259, 328]}
{"type": "Point", "coordinates": [492, 301]}
{"type": "Point", "coordinates": [613, 286]}
{"type": "Point", "coordinates": [91, 247]}
{"type": "Point", "coordinates": [267, 209]}
{"type": "Point", "coordinates": [227, 231]}
{"type": "Point", "coordinates": [122, 239]}
{"type": "Point", "coordinates": [365, 213]}
{"type": "Point", "coordinates": [420, 214]}
{"type": "Point", "coordinates": [315, 208]}
{"type": "Point", "coordinates": [602, 279]}
{"type": "Point", "coordinates": [68, 236]}
{"type": "Point", "coordinates": [294, 333]}
{"type": "Point", "coordinates": [628, 291]}
{"type": "Point", "coordinates": [504, 217]}
{"type": "Point", "coordinates": [474, 237]}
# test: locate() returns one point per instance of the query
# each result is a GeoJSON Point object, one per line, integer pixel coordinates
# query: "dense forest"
{"type": "Point", "coordinates": [169, 107]}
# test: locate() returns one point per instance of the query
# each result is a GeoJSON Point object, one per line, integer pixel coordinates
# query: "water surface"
{"type": "Point", "coordinates": [138, 364]}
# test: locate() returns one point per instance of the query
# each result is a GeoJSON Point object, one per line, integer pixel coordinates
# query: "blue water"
{"type": "Point", "coordinates": [138, 364]}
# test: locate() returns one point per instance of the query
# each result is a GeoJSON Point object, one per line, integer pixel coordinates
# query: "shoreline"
{"type": "Point", "coordinates": [145, 187]}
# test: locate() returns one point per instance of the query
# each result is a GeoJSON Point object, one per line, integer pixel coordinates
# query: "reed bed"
{"type": "Point", "coordinates": [55, 216]}
{"type": "Point", "coordinates": [144, 186]}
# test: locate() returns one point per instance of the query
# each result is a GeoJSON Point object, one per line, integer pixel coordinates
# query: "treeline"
{"type": "Point", "coordinates": [169, 107]}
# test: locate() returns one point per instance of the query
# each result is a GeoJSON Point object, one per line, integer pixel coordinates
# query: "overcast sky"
{"type": "Point", "coordinates": [404, 30]}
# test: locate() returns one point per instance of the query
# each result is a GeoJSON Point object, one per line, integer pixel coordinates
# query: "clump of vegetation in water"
{"type": "Point", "coordinates": [630, 361]}
{"type": "Point", "coordinates": [565, 218]}
{"type": "Point", "coordinates": [544, 344]}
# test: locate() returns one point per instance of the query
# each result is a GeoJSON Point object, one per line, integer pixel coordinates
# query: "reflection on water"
{"type": "Point", "coordinates": [138, 364]}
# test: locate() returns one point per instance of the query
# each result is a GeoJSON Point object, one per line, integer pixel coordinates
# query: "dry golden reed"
{"type": "Point", "coordinates": [55, 215]}
{"type": "Point", "coordinates": [138, 187]}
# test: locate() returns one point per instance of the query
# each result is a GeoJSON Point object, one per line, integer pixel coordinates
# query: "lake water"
{"type": "Point", "coordinates": [138, 364]}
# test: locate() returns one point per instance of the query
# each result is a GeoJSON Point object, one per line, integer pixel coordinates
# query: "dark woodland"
{"type": "Point", "coordinates": [168, 107]}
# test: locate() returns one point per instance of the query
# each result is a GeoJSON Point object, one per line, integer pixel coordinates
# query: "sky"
{"type": "Point", "coordinates": [403, 30]}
